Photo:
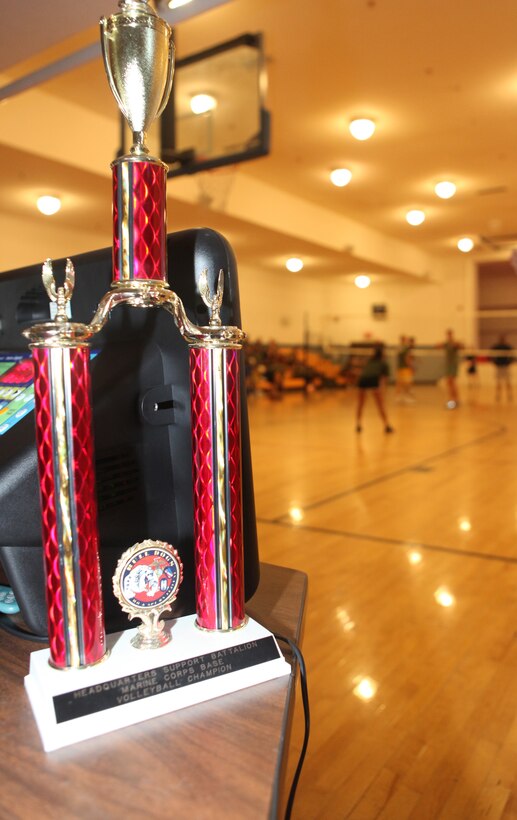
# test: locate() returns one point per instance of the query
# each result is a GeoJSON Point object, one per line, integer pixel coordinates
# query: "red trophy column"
{"type": "Point", "coordinates": [139, 222]}
{"type": "Point", "coordinates": [216, 445]}
{"type": "Point", "coordinates": [64, 440]}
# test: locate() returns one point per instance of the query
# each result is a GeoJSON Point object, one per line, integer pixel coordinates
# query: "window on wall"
{"type": "Point", "coordinates": [497, 303]}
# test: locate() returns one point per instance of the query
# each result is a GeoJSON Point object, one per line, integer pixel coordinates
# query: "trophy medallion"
{"type": "Point", "coordinates": [146, 583]}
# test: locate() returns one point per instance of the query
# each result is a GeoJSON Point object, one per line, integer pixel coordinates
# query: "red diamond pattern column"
{"type": "Point", "coordinates": [203, 486]}
{"type": "Point", "coordinates": [233, 415]}
{"type": "Point", "coordinates": [217, 488]}
{"type": "Point", "coordinates": [85, 501]}
{"type": "Point", "coordinates": [139, 221]}
{"type": "Point", "coordinates": [64, 440]}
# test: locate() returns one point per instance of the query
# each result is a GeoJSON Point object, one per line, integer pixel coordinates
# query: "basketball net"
{"type": "Point", "coordinates": [215, 186]}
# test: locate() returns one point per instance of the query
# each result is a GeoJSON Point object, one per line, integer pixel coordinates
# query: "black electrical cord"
{"type": "Point", "coordinates": [307, 715]}
{"type": "Point", "coordinates": [9, 626]}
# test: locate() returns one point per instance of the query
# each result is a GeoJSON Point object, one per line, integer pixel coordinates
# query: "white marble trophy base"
{"type": "Point", "coordinates": [132, 685]}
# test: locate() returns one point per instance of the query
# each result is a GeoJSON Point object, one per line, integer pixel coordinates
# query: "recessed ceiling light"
{"type": "Point", "coordinates": [202, 103]}
{"type": "Point", "coordinates": [176, 4]}
{"type": "Point", "coordinates": [465, 244]}
{"type": "Point", "coordinates": [362, 129]}
{"type": "Point", "coordinates": [48, 205]}
{"type": "Point", "coordinates": [294, 264]}
{"type": "Point", "coordinates": [445, 189]}
{"type": "Point", "coordinates": [362, 281]}
{"type": "Point", "coordinates": [340, 177]}
{"type": "Point", "coordinates": [415, 217]}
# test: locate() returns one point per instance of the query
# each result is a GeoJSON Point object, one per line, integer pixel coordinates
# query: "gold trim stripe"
{"type": "Point", "coordinates": [59, 359]}
{"type": "Point", "coordinates": [124, 220]}
{"type": "Point", "coordinates": [220, 465]}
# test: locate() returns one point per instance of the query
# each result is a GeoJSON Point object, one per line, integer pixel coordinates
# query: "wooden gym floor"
{"type": "Point", "coordinates": [410, 544]}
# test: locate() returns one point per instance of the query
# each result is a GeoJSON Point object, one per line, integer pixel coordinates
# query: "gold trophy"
{"type": "Point", "coordinates": [138, 54]}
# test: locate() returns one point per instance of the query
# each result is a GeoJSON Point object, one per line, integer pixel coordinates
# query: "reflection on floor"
{"type": "Point", "coordinates": [410, 544]}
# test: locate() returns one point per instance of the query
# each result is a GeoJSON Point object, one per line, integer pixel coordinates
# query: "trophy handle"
{"type": "Point", "coordinates": [170, 75]}
{"type": "Point", "coordinates": [104, 38]}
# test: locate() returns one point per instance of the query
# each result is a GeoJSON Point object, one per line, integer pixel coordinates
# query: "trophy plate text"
{"type": "Point", "coordinates": [132, 686]}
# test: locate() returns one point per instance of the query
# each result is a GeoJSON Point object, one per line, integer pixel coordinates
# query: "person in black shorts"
{"type": "Point", "coordinates": [371, 380]}
{"type": "Point", "coordinates": [502, 361]}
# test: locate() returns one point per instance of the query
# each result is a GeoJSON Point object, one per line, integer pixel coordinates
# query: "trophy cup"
{"type": "Point", "coordinates": [138, 54]}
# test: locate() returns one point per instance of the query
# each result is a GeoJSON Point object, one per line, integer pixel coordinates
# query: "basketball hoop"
{"type": "Point", "coordinates": [215, 187]}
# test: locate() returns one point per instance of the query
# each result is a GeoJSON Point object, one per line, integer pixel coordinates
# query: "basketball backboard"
{"type": "Point", "coordinates": [233, 125]}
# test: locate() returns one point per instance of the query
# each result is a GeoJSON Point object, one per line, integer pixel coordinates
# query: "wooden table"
{"type": "Point", "coordinates": [222, 758]}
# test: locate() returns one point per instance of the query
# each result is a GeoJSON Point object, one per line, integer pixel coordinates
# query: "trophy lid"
{"type": "Point", "coordinates": [136, 5]}
{"type": "Point", "coordinates": [136, 8]}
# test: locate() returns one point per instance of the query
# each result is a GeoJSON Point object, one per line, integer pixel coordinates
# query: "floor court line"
{"type": "Point", "coordinates": [485, 556]}
{"type": "Point", "coordinates": [388, 476]}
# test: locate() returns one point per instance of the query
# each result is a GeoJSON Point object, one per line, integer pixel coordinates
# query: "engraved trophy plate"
{"type": "Point", "coordinates": [146, 583]}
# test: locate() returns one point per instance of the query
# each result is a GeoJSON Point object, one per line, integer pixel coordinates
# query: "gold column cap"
{"type": "Point", "coordinates": [61, 332]}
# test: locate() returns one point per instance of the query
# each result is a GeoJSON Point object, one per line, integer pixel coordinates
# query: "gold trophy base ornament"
{"type": "Point", "coordinates": [146, 583]}
{"type": "Point", "coordinates": [151, 633]}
